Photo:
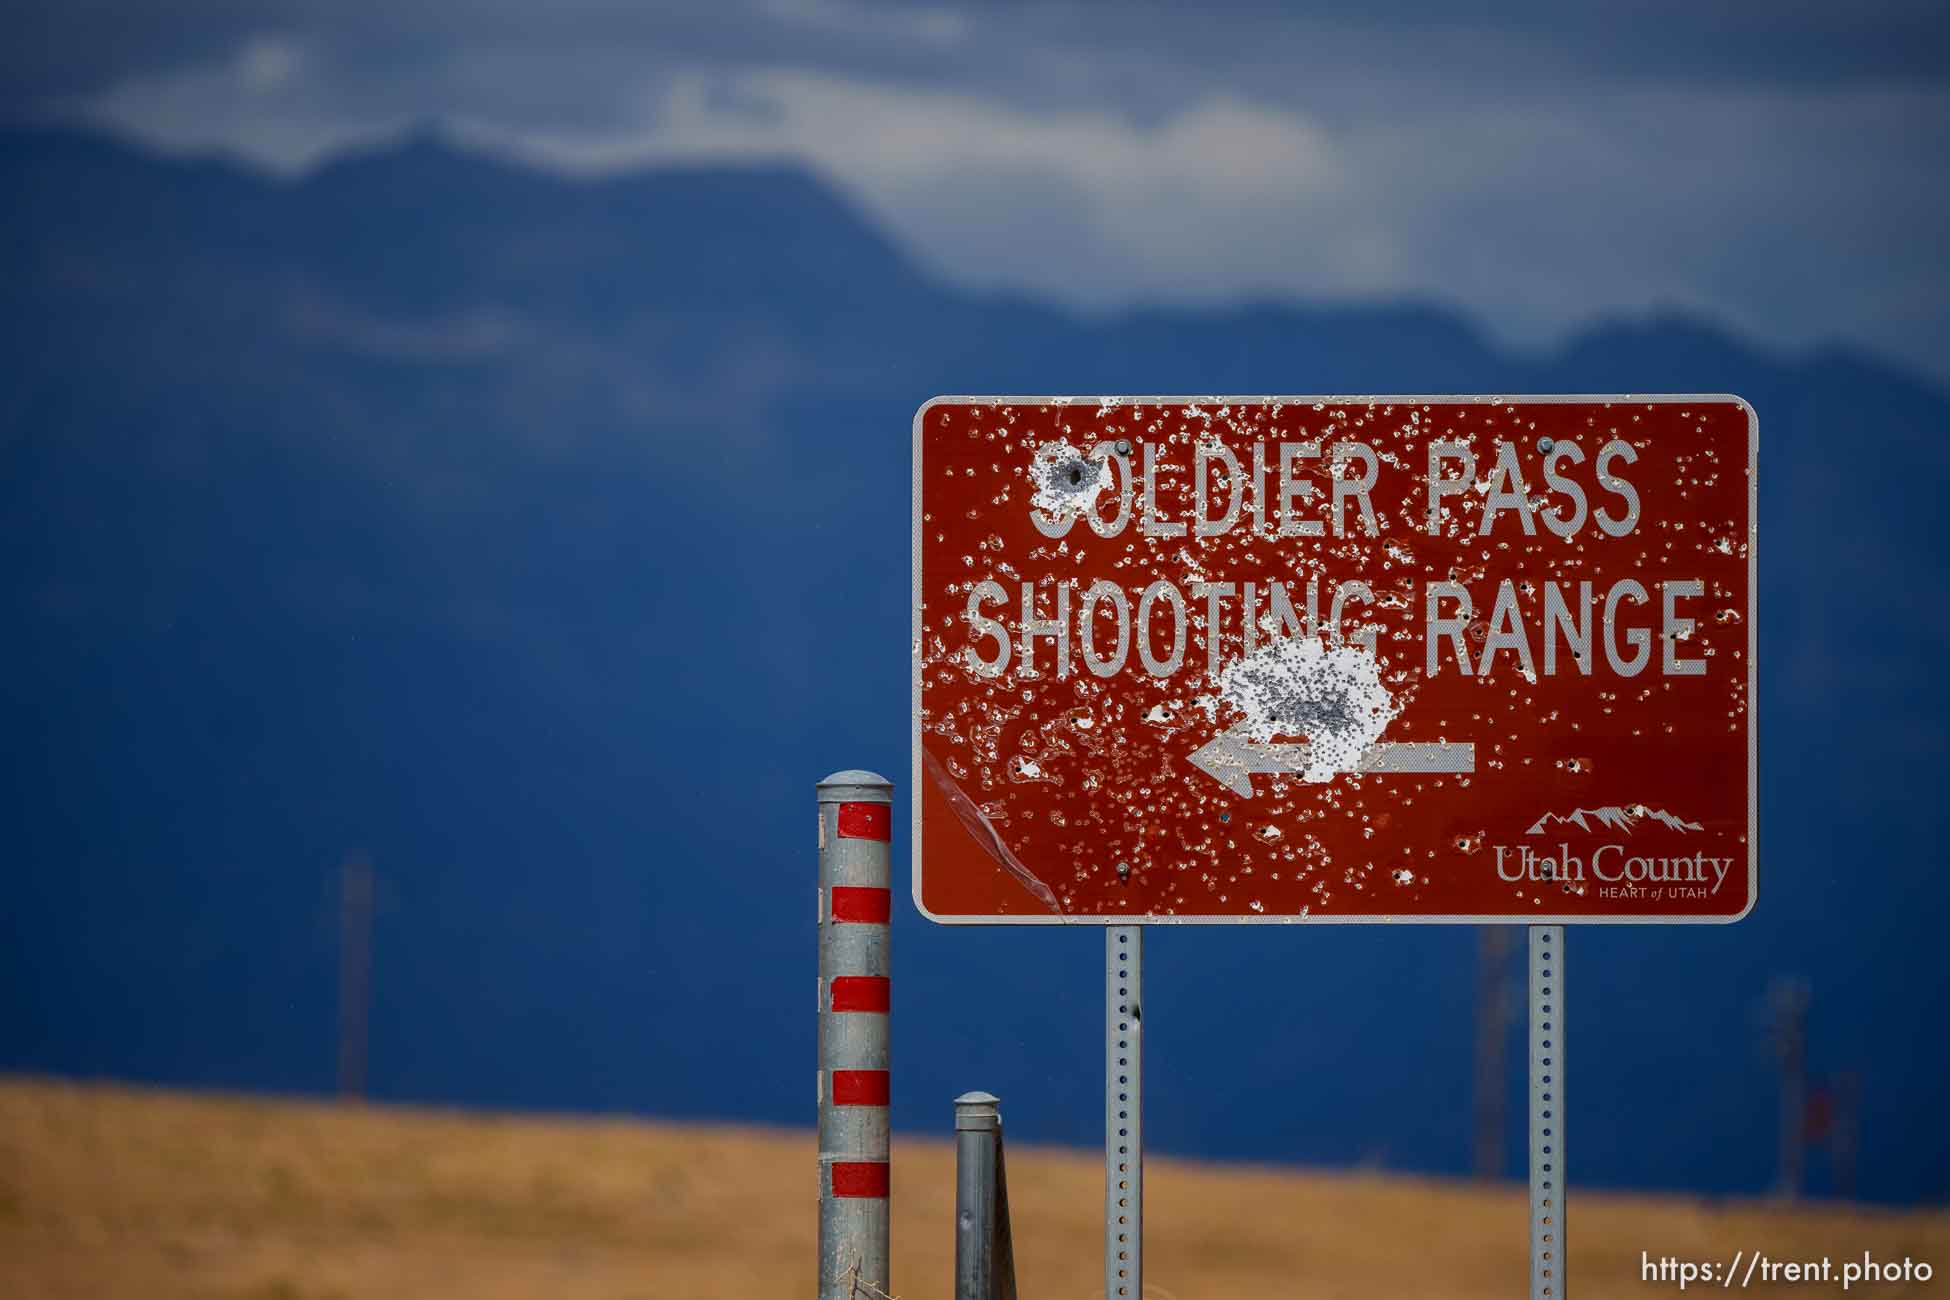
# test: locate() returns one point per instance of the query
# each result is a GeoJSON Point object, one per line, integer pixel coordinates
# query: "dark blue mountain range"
{"type": "Point", "coordinates": [546, 540]}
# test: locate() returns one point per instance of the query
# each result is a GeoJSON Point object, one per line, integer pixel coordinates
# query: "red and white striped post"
{"type": "Point", "coordinates": [855, 905]}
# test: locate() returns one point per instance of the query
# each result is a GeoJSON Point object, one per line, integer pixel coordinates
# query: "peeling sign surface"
{"type": "Point", "coordinates": [1334, 659]}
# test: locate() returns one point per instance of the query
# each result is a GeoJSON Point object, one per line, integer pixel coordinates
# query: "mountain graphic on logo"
{"type": "Point", "coordinates": [1612, 817]}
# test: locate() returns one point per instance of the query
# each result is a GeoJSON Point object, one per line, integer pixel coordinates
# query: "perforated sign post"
{"type": "Point", "coordinates": [1328, 660]}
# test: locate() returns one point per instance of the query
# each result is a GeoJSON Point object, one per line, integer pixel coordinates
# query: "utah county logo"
{"type": "Point", "coordinates": [1611, 867]}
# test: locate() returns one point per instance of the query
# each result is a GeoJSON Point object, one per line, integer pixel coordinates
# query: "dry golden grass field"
{"type": "Point", "coordinates": [119, 1192]}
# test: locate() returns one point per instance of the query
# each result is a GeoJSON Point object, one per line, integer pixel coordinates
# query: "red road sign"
{"type": "Point", "coordinates": [1334, 659]}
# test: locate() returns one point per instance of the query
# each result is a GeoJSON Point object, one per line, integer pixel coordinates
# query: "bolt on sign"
{"type": "Point", "coordinates": [1334, 659]}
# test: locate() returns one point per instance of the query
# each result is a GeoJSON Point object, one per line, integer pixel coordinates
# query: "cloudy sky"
{"type": "Point", "coordinates": [1776, 165]}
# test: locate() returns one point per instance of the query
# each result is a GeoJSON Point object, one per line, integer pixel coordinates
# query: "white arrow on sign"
{"type": "Point", "coordinates": [1230, 758]}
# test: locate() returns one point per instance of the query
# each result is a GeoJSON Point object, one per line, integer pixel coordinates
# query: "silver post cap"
{"type": "Point", "coordinates": [976, 1112]}
{"type": "Point", "coordinates": [856, 786]}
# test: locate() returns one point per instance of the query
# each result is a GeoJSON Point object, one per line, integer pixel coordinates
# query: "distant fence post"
{"type": "Point", "coordinates": [985, 1263]}
{"type": "Point", "coordinates": [855, 904]}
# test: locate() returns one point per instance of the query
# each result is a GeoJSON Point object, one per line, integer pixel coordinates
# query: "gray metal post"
{"type": "Point", "coordinates": [1495, 1007]}
{"type": "Point", "coordinates": [978, 1126]}
{"type": "Point", "coordinates": [1123, 1112]}
{"type": "Point", "coordinates": [1547, 1238]}
{"type": "Point", "coordinates": [855, 905]}
{"type": "Point", "coordinates": [1790, 999]}
{"type": "Point", "coordinates": [355, 975]}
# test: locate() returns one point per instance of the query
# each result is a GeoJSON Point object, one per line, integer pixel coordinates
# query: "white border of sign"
{"type": "Point", "coordinates": [916, 776]}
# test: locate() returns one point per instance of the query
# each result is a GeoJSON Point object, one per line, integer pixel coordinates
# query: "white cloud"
{"type": "Point", "coordinates": [267, 63]}
{"type": "Point", "coordinates": [1789, 216]}
{"type": "Point", "coordinates": [264, 103]}
{"type": "Point", "coordinates": [1799, 215]}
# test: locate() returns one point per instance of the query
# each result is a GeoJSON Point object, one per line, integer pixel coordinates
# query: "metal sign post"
{"type": "Point", "coordinates": [1547, 1112]}
{"type": "Point", "coordinates": [1123, 1112]}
